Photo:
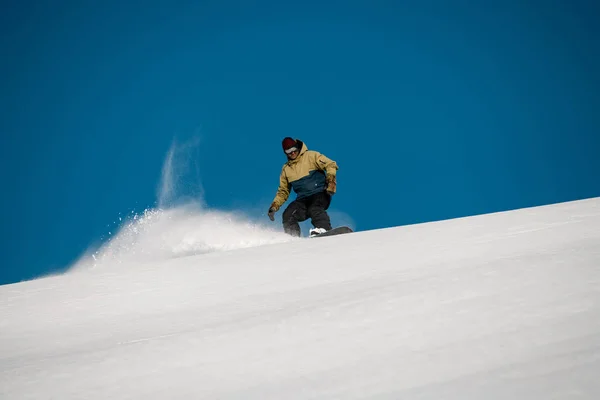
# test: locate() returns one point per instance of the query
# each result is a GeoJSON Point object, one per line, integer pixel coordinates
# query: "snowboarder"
{"type": "Point", "coordinates": [312, 177]}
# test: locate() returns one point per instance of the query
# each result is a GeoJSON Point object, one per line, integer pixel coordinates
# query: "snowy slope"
{"type": "Point", "coordinates": [499, 306]}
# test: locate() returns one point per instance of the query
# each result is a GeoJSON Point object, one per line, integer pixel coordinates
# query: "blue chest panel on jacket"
{"type": "Point", "coordinates": [313, 183]}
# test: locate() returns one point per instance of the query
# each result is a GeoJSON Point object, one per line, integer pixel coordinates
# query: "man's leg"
{"type": "Point", "coordinates": [294, 213]}
{"type": "Point", "coordinates": [316, 210]}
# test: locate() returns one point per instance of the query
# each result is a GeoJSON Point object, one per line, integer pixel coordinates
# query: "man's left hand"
{"type": "Point", "coordinates": [331, 184]}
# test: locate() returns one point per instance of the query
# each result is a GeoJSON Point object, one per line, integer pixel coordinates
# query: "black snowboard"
{"type": "Point", "coordinates": [335, 231]}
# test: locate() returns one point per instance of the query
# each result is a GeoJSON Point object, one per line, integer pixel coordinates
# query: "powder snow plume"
{"type": "Point", "coordinates": [181, 225]}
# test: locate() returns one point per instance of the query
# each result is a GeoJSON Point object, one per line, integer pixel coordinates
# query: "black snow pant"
{"type": "Point", "coordinates": [313, 207]}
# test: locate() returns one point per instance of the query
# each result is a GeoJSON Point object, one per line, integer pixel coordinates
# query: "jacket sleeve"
{"type": "Point", "coordinates": [283, 192]}
{"type": "Point", "coordinates": [326, 164]}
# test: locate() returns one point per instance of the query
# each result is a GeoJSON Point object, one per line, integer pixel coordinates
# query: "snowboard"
{"type": "Point", "coordinates": [335, 231]}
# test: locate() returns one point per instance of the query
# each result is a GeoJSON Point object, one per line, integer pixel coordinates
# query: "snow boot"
{"type": "Point", "coordinates": [316, 231]}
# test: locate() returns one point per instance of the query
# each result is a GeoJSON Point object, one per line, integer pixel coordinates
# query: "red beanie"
{"type": "Point", "coordinates": [288, 142]}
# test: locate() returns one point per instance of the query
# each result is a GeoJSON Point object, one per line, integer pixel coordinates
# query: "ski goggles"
{"type": "Point", "coordinates": [291, 150]}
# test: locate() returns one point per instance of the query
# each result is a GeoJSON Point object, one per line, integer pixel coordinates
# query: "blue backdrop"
{"type": "Point", "coordinates": [432, 109]}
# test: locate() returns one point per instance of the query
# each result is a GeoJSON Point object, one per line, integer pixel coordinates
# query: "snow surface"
{"type": "Point", "coordinates": [498, 306]}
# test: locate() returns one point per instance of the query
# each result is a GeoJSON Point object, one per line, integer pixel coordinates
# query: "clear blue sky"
{"type": "Point", "coordinates": [432, 109]}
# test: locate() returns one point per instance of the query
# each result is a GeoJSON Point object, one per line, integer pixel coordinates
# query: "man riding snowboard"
{"type": "Point", "coordinates": [312, 177]}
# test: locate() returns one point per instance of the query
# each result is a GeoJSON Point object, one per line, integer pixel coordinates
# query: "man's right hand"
{"type": "Point", "coordinates": [272, 211]}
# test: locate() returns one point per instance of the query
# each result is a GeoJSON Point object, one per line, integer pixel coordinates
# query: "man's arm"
{"type": "Point", "coordinates": [330, 167]}
{"type": "Point", "coordinates": [326, 164]}
{"type": "Point", "coordinates": [283, 192]}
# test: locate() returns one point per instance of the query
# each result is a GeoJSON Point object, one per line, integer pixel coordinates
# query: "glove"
{"type": "Point", "coordinates": [272, 210]}
{"type": "Point", "coordinates": [330, 180]}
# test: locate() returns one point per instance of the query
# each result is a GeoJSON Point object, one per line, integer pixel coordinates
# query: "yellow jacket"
{"type": "Point", "coordinates": [306, 175]}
